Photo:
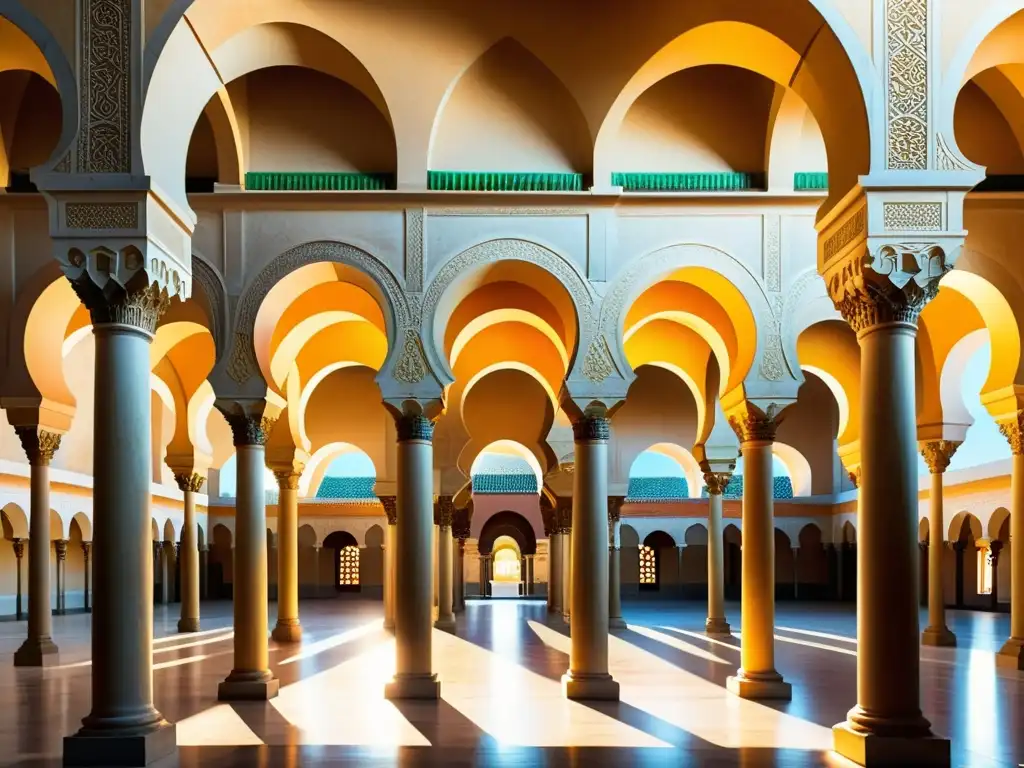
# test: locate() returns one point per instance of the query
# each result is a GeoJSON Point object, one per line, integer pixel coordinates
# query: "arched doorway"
{"type": "Point", "coordinates": [345, 570]}
{"type": "Point", "coordinates": [506, 535]}
{"type": "Point", "coordinates": [659, 566]}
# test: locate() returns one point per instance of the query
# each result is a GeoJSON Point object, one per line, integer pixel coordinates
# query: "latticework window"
{"type": "Point", "coordinates": [648, 565]}
{"type": "Point", "coordinates": [348, 566]}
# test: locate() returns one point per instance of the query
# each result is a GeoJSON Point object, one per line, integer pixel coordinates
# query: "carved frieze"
{"type": "Point", "coordinates": [912, 217]}
{"type": "Point", "coordinates": [101, 216]}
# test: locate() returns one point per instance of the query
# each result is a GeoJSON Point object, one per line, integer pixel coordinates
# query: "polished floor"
{"type": "Point", "coordinates": [502, 702]}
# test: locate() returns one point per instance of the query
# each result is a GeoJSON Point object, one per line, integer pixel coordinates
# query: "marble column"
{"type": "Point", "coordinates": [414, 672]}
{"type": "Point", "coordinates": [38, 649]}
{"type": "Point", "coordinates": [123, 726]}
{"type": "Point", "coordinates": [886, 726]}
{"type": "Point", "coordinates": [444, 516]}
{"type": "Point", "coordinates": [716, 623]}
{"type": "Point", "coordinates": [937, 454]}
{"type": "Point", "coordinates": [555, 571]}
{"type": "Point", "coordinates": [190, 484]}
{"type": "Point", "coordinates": [60, 547]}
{"type": "Point", "coordinates": [19, 554]}
{"type": "Point", "coordinates": [757, 677]}
{"type": "Point", "coordinates": [390, 504]}
{"type": "Point", "coordinates": [288, 628]}
{"type": "Point", "coordinates": [1011, 655]}
{"type": "Point", "coordinates": [250, 677]}
{"type": "Point", "coordinates": [86, 575]}
{"type": "Point", "coordinates": [588, 677]}
{"type": "Point", "coordinates": [615, 620]}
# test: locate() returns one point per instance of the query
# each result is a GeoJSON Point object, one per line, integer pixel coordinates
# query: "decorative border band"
{"type": "Point", "coordinates": [501, 181]}
{"type": "Point", "coordinates": [732, 181]}
{"type": "Point", "coordinates": [277, 181]}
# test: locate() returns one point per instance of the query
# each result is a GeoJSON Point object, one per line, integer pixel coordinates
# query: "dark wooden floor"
{"type": "Point", "coordinates": [502, 702]}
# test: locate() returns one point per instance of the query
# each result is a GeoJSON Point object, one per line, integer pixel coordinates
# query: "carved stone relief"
{"type": "Point", "coordinates": [912, 217]}
{"type": "Point", "coordinates": [772, 257]}
{"type": "Point", "coordinates": [411, 367]}
{"type": "Point", "coordinates": [101, 216]}
{"type": "Point", "coordinates": [906, 36]}
{"type": "Point", "coordinates": [105, 136]}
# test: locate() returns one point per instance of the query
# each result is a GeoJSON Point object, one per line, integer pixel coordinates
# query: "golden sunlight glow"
{"type": "Point", "coordinates": [296, 338]}
{"type": "Point", "coordinates": [842, 400]}
{"type": "Point", "coordinates": [507, 315]}
{"type": "Point", "coordinates": [512, 365]}
{"type": "Point", "coordinates": [685, 460]}
{"type": "Point", "coordinates": [699, 325]}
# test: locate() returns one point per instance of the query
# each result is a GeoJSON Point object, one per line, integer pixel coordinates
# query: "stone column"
{"type": "Point", "coordinates": [555, 572]}
{"type": "Point", "coordinates": [170, 562]}
{"type": "Point", "coordinates": [86, 574]}
{"type": "Point", "coordinates": [414, 672]}
{"type": "Point", "coordinates": [19, 554]}
{"type": "Point", "coordinates": [565, 531]}
{"type": "Point", "coordinates": [487, 562]}
{"type": "Point", "coordinates": [38, 650]}
{"type": "Point", "coordinates": [250, 677]}
{"type": "Point", "coordinates": [1011, 655]}
{"type": "Point", "coordinates": [123, 724]}
{"type": "Point", "coordinates": [204, 572]}
{"type": "Point", "coordinates": [443, 516]}
{"type": "Point", "coordinates": [757, 677]}
{"type": "Point", "coordinates": [529, 574]}
{"type": "Point", "coordinates": [460, 530]}
{"type": "Point", "coordinates": [716, 623]}
{"type": "Point", "coordinates": [937, 454]}
{"type": "Point", "coordinates": [886, 726]}
{"type": "Point", "coordinates": [288, 628]}
{"type": "Point", "coordinates": [588, 677]}
{"type": "Point", "coordinates": [190, 484]}
{"type": "Point", "coordinates": [615, 620]}
{"type": "Point", "coordinates": [60, 547]}
{"type": "Point", "coordinates": [390, 504]}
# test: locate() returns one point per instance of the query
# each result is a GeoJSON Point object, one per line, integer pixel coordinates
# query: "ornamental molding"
{"type": "Point", "coordinates": [506, 211]}
{"type": "Point", "coordinates": [101, 216]}
{"type": "Point", "coordinates": [598, 364]}
{"type": "Point", "coordinates": [105, 85]}
{"type": "Point", "coordinates": [415, 225]}
{"type": "Point", "coordinates": [945, 160]}
{"type": "Point", "coordinates": [772, 255]}
{"type": "Point", "coordinates": [213, 290]}
{"type": "Point", "coordinates": [937, 454]}
{"type": "Point", "coordinates": [912, 217]}
{"type": "Point", "coordinates": [140, 308]}
{"type": "Point", "coordinates": [853, 228]}
{"type": "Point", "coordinates": [412, 365]}
{"type": "Point", "coordinates": [248, 429]}
{"type": "Point", "coordinates": [906, 62]}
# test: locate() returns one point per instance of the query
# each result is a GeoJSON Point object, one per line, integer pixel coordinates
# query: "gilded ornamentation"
{"type": "Point", "coordinates": [249, 430]}
{"type": "Point", "coordinates": [772, 257]}
{"type": "Point", "coordinates": [191, 482]}
{"type": "Point", "coordinates": [751, 424]}
{"type": "Point", "coordinates": [854, 227]}
{"type": "Point", "coordinates": [139, 308]}
{"type": "Point", "coordinates": [414, 228]}
{"type": "Point", "coordinates": [390, 504]}
{"type": "Point", "coordinates": [101, 216]}
{"type": "Point", "coordinates": [598, 365]}
{"type": "Point", "coordinates": [912, 217]}
{"type": "Point", "coordinates": [287, 479]}
{"type": "Point", "coordinates": [591, 428]}
{"type": "Point", "coordinates": [906, 34]}
{"type": "Point", "coordinates": [615, 508]}
{"type": "Point", "coordinates": [39, 445]}
{"type": "Point", "coordinates": [415, 427]}
{"type": "Point", "coordinates": [717, 482]}
{"type": "Point", "coordinates": [937, 454]}
{"type": "Point", "coordinates": [411, 367]}
{"type": "Point", "coordinates": [444, 511]}
{"type": "Point", "coordinates": [945, 160]}
{"type": "Point", "coordinates": [1013, 431]}
{"type": "Point", "coordinates": [105, 136]}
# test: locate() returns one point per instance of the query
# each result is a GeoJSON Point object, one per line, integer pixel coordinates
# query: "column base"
{"type": "Point", "coordinates": [759, 688]}
{"type": "Point", "coordinates": [616, 622]}
{"type": "Point", "coordinates": [248, 686]}
{"type": "Point", "coordinates": [37, 652]}
{"type": "Point", "coordinates": [91, 748]}
{"type": "Point", "coordinates": [590, 687]}
{"type": "Point", "coordinates": [446, 624]}
{"type": "Point", "coordinates": [869, 749]}
{"type": "Point", "coordinates": [421, 686]}
{"type": "Point", "coordinates": [188, 625]}
{"type": "Point", "coordinates": [389, 625]}
{"type": "Point", "coordinates": [717, 627]}
{"type": "Point", "coordinates": [1011, 655]}
{"type": "Point", "coordinates": [940, 637]}
{"type": "Point", "coordinates": [287, 633]}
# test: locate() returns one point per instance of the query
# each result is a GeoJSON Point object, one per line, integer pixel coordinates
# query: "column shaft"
{"type": "Point", "coordinates": [38, 649]}
{"type": "Point", "coordinates": [190, 484]}
{"type": "Point", "coordinates": [61, 549]}
{"type": "Point", "coordinates": [937, 455]}
{"type": "Point", "coordinates": [288, 628]}
{"type": "Point", "coordinates": [445, 589]}
{"type": "Point", "coordinates": [389, 575]}
{"type": "Point", "coordinates": [19, 555]}
{"type": "Point", "coordinates": [615, 620]}
{"type": "Point", "coordinates": [555, 573]}
{"type": "Point", "coordinates": [566, 574]}
{"type": "Point", "coordinates": [414, 676]}
{"type": "Point", "coordinates": [716, 623]}
{"type": "Point", "coordinates": [1011, 655]}
{"type": "Point", "coordinates": [459, 577]}
{"type": "Point", "coordinates": [86, 575]}
{"type": "Point", "coordinates": [588, 676]}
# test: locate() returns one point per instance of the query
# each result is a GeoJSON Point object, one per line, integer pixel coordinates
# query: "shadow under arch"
{"type": "Point", "coordinates": [511, 524]}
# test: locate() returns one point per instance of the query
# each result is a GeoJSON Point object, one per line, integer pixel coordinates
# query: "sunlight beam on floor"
{"type": "Point", "coordinates": [679, 645]}
{"type": "Point", "coordinates": [183, 635]}
{"type": "Point", "coordinates": [700, 636]}
{"type": "Point", "coordinates": [823, 635]}
{"type": "Point", "coordinates": [334, 641]}
{"type": "Point", "coordinates": [195, 644]}
{"type": "Point", "coordinates": [217, 726]}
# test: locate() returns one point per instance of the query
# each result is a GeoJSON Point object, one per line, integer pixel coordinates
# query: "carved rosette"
{"type": "Point", "coordinates": [461, 523]}
{"type": "Point", "coordinates": [444, 511]}
{"type": "Point", "coordinates": [390, 504]}
{"type": "Point", "coordinates": [40, 445]}
{"type": "Point", "coordinates": [937, 454]}
{"type": "Point", "coordinates": [1013, 431]}
{"type": "Point", "coordinates": [19, 548]}
{"type": "Point", "coordinates": [61, 547]}
{"type": "Point", "coordinates": [588, 429]}
{"type": "Point", "coordinates": [615, 508]}
{"type": "Point", "coordinates": [717, 482]}
{"type": "Point", "coordinates": [414, 427]}
{"type": "Point", "coordinates": [249, 430]}
{"type": "Point", "coordinates": [753, 425]}
{"type": "Point", "coordinates": [189, 482]}
{"type": "Point", "coordinates": [563, 516]}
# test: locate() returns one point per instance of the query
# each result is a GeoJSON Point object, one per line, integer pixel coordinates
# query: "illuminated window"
{"type": "Point", "coordinates": [984, 571]}
{"type": "Point", "coordinates": [648, 565]}
{"type": "Point", "coordinates": [348, 567]}
{"type": "Point", "coordinates": [507, 566]}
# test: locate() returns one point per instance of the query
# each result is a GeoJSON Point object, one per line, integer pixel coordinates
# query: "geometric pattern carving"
{"type": "Point", "coordinates": [772, 258]}
{"type": "Point", "coordinates": [105, 136]}
{"type": "Point", "coordinates": [414, 226]}
{"type": "Point", "coordinates": [101, 216]}
{"type": "Point", "coordinates": [411, 367]}
{"type": "Point", "coordinates": [648, 565]}
{"type": "Point", "coordinates": [348, 566]}
{"type": "Point", "coordinates": [912, 217]}
{"type": "Point", "coordinates": [598, 365]}
{"type": "Point", "coordinates": [846, 234]}
{"type": "Point", "coordinates": [906, 35]}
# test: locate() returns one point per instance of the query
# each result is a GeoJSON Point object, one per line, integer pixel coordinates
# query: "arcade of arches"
{"type": "Point", "coordinates": [324, 310]}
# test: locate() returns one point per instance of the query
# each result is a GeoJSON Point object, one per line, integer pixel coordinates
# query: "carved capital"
{"type": "Point", "coordinates": [86, 550]}
{"type": "Point", "coordinates": [461, 524]}
{"type": "Point", "coordinates": [287, 479]}
{"type": "Point", "coordinates": [1013, 430]}
{"type": "Point", "coordinates": [414, 427]}
{"type": "Point", "coordinates": [19, 548]}
{"type": "Point", "coordinates": [138, 306]}
{"type": "Point", "coordinates": [444, 511]}
{"type": "Point", "coordinates": [61, 547]}
{"type": "Point", "coordinates": [892, 286]}
{"type": "Point", "coordinates": [563, 513]}
{"type": "Point", "coordinates": [589, 428]}
{"type": "Point", "coordinates": [40, 445]}
{"type": "Point", "coordinates": [249, 430]}
{"type": "Point", "coordinates": [615, 508]}
{"type": "Point", "coordinates": [390, 504]}
{"type": "Point", "coordinates": [717, 482]}
{"type": "Point", "coordinates": [937, 454]}
{"type": "Point", "coordinates": [752, 424]}
{"type": "Point", "coordinates": [189, 482]}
